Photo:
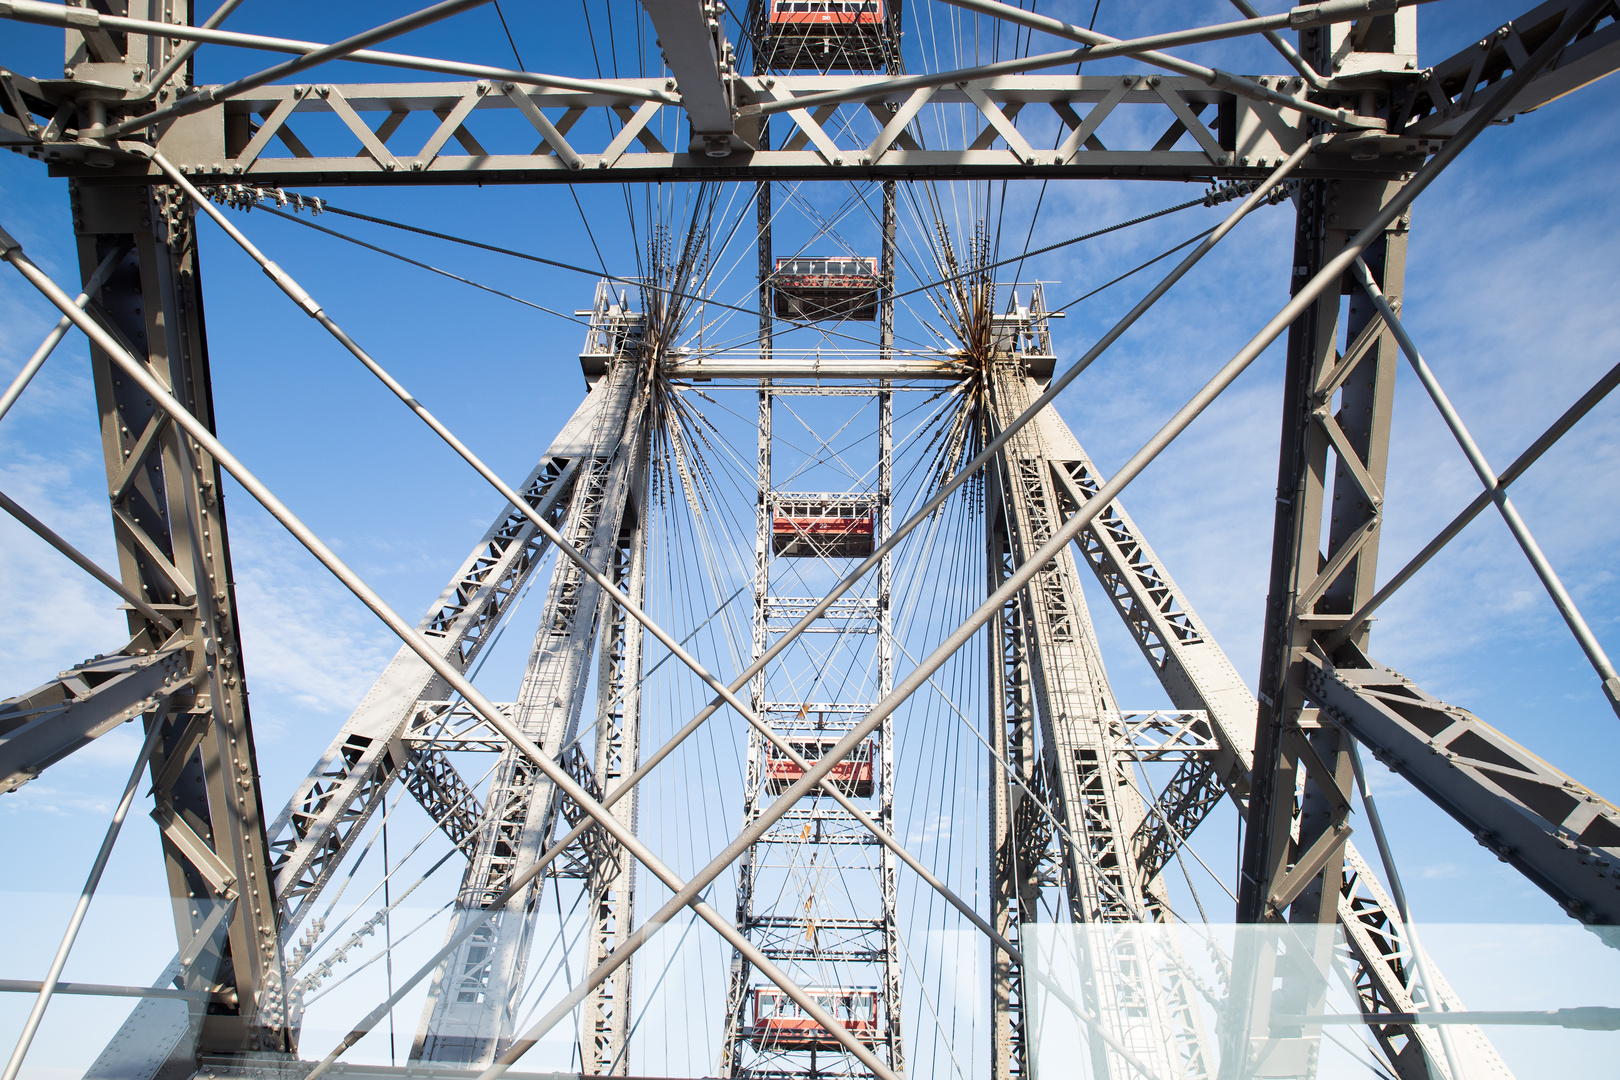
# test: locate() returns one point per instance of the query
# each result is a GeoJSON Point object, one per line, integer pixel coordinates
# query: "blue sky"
{"type": "Point", "coordinates": [1509, 294]}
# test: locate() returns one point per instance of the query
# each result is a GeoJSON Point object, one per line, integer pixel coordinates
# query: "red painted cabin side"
{"type": "Point", "coordinates": [824, 35]}
{"type": "Point", "coordinates": [797, 536]}
{"type": "Point", "coordinates": [852, 776]}
{"type": "Point", "coordinates": [814, 287]}
{"type": "Point", "coordinates": [845, 12]}
{"type": "Point", "coordinates": [780, 1024]}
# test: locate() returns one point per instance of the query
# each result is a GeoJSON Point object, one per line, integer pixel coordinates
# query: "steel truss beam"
{"type": "Point", "coordinates": [1087, 773]}
{"type": "Point", "coordinates": [39, 728]}
{"type": "Point", "coordinates": [333, 803]}
{"type": "Point", "coordinates": [1554, 831]}
{"type": "Point", "coordinates": [1190, 665]}
{"type": "Point", "coordinates": [231, 139]}
{"type": "Point", "coordinates": [605, 1018]}
{"type": "Point", "coordinates": [1019, 835]}
{"type": "Point", "coordinates": [1193, 131]}
{"type": "Point", "coordinates": [1454, 89]}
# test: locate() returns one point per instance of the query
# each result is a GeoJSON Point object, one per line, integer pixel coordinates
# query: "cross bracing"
{"type": "Point", "coordinates": [1079, 813]}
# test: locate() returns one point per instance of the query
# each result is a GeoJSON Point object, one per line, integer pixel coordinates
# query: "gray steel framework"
{"type": "Point", "coordinates": [1056, 663]}
{"type": "Point", "coordinates": [169, 525]}
{"type": "Point", "coordinates": [862, 951]}
{"type": "Point", "coordinates": [244, 890]}
{"type": "Point", "coordinates": [1217, 763]}
{"type": "Point", "coordinates": [469, 1016]}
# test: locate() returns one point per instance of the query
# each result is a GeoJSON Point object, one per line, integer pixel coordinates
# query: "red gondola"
{"type": "Point", "coordinates": [833, 529]}
{"type": "Point", "coordinates": [822, 12]}
{"type": "Point", "coordinates": [780, 1024]}
{"type": "Point", "coordinates": [833, 537]}
{"type": "Point", "coordinates": [822, 35]}
{"type": "Point", "coordinates": [853, 775]}
{"type": "Point", "coordinates": [813, 287]}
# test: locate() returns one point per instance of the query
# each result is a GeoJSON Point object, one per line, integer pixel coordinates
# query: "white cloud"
{"type": "Point", "coordinates": [59, 614]}
{"type": "Point", "coordinates": [308, 646]}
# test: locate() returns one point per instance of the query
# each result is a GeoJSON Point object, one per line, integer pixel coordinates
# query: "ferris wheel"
{"type": "Point", "coordinates": [816, 752]}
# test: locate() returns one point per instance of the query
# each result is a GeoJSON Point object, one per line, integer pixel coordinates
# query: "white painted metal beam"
{"type": "Point", "coordinates": [696, 50]}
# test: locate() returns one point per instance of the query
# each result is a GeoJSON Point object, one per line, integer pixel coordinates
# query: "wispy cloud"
{"type": "Point", "coordinates": [1435, 871]}
{"type": "Point", "coordinates": [60, 615]}
{"type": "Point", "coordinates": [308, 646]}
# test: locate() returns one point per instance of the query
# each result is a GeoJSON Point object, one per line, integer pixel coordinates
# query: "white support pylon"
{"type": "Point", "coordinates": [468, 1016]}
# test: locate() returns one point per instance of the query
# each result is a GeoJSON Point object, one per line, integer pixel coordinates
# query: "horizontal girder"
{"type": "Point", "coordinates": [1125, 126]}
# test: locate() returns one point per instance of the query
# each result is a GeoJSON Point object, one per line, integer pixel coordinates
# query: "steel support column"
{"type": "Point", "coordinates": [1019, 834]}
{"type": "Point", "coordinates": [468, 1017]}
{"type": "Point", "coordinates": [1086, 769]}
{"type": "Point", "coordinates": [605, 1020]}
{"type": "Point", "coordinates": [1335, 441]}
{"type": "Point", "coordinates": [169, 524]}
{"type": "Point", "coordinates": [1337, 408]}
